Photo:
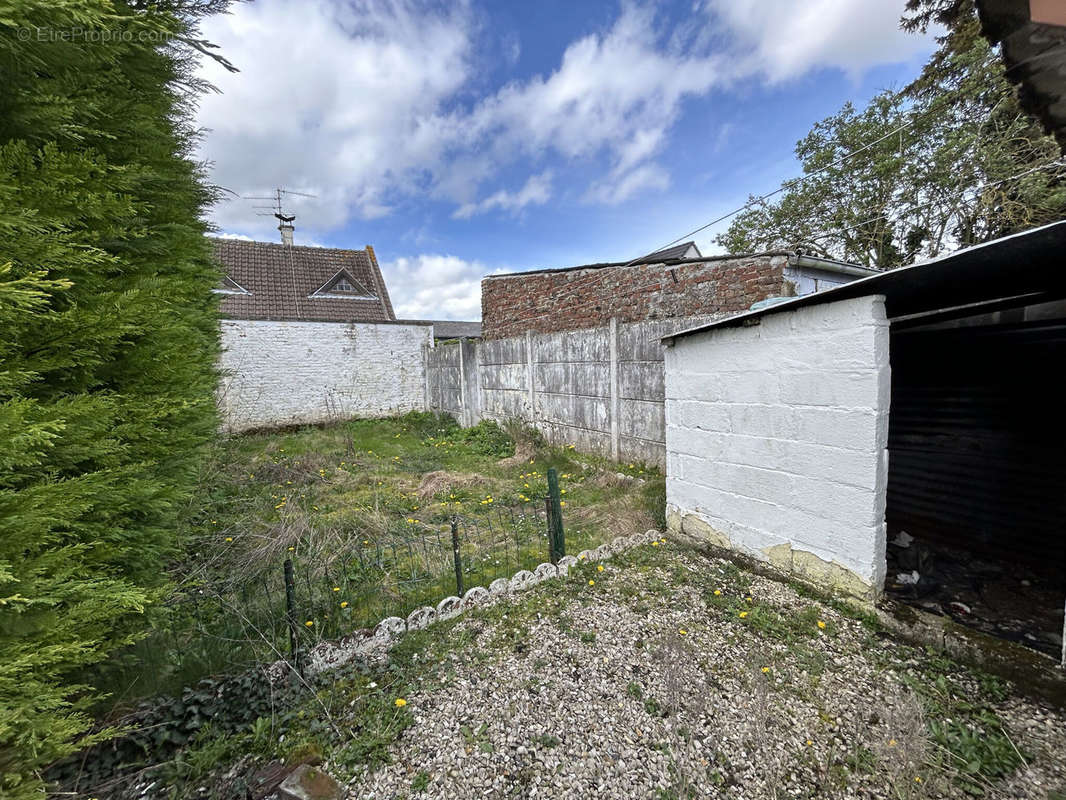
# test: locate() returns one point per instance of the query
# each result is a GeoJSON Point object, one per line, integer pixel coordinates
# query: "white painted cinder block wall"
{"type": "Point", "coordinates": [284, 373]}
{"type": "Point", "coordinates": [776, 439]}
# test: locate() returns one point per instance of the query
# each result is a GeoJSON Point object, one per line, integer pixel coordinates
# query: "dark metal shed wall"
{"type": "Point", "coordinates": [977, 440]}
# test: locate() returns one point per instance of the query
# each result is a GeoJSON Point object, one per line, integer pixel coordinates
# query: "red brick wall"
{"type": "Point", "coordinates": [585, 298]}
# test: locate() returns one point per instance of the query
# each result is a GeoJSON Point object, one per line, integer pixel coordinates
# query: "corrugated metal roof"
{"type": "Point", "coordinates": [1030, 262]}
{"type": "Point", "coordinates": [1032, 38]}
{"type": "Point", "coordinates": [450, 328]}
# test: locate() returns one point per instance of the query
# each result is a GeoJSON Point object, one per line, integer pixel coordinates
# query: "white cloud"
{"type": "Point", "coordinates": [367, 104]}
{"type": "Point", "coordinates": [536, 191]}
{"type": "Point", "coordinates": [621, 185]}
{"type": "Point", "coordinates": [338, 100]}
{"type": "Point", "coordinates": [435, 287]}
{"type": "Point", "coordinates": [783, 39]}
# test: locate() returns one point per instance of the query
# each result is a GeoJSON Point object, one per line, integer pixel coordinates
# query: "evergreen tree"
{"type": "Point", "coordinates": [949, 161]}
{"type": "Point", "coordinates": [108, 338]}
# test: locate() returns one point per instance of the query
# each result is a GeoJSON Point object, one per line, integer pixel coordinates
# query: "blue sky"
{"type": "Point", "coordinates": [461, 139]}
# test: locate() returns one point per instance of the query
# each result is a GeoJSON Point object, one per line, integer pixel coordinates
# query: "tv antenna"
{"type": "Point", "coordinates": [276, 207]}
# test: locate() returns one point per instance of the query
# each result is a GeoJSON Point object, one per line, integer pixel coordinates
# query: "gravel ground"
{"type": "Point", "coordinates": [647, 684]}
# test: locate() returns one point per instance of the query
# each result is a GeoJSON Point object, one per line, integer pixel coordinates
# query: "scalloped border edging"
{"type": "Point", "coordinates": [332, 654]}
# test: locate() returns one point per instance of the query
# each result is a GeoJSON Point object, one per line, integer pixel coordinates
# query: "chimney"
{"type": "Point", "coordinates": [286, 229]}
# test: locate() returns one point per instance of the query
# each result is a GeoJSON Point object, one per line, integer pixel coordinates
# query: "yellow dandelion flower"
{"type": "Point", "coordinates": [891, 742]}
{"type": "Point", "coordinates": [809, 743]}
{"type": "Point", "coordinates": [750, 599]}
{"type": "Point", "coordinates": [336, 588]}
{"type": "Point", "coordinates": [717, 592]}
{"type": "Point", "coordinates": [365, 541]}
{"type": "Point", "coordinates": [229, 538]}
{"type": "Point", "coordinates": [344, 604]}
{"type": "Point", "coordinates": [592, 583]}
{"type": "Point", "coordinates": [821, 624]}
{"type": "Point", "coordinates": [562, 491]}
{"type": "Point", "coordinates": [743, 614]}
{"type": "Point", "coordinates": [562, 502]}
{"type": "Point", "coordinates": [765, 670]}
{"type": "Point", "coordinates": [682, 631]}
{"type": "Point", "coordinates": [917, 778]}
{"type": "Point", "coordinates": [663, 541]}
{"type": "Point", "coordinates": [599, 567]}
{"type": "Point", "coordinates": [291, 549]}
{"type": "Point", "coordinates": [655, 543]}
{"type": "Point", "coordinates": [582, 555]}
{"type": "Point", "coordinates": [400, 702]}
{"type": "Point", "coordinates": [310, 623]}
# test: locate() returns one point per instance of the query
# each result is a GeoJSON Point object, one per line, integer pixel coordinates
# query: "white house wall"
{"type": "Point", "coordinates": [285, 373]}
{"type": "Point", "coordinates": [776, 438]}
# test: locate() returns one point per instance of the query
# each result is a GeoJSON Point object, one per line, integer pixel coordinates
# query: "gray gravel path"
{"type": "Point", "coordinates": [648, 685]}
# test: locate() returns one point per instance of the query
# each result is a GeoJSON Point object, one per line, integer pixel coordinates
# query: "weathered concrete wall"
{"type": "Point", "coordinates": [776, 438]}
{"type": "Point", "coordinates": [444, 379]}
{"type": "Point", "coordinates": [600, 389]}
{"type": "Point", "coordinates": [578, 299]}
{"type": "Point", "coordinates": [284, 373]}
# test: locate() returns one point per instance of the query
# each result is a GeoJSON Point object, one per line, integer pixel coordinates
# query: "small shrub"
{"type": "Point", "coordinates": [488, 438]}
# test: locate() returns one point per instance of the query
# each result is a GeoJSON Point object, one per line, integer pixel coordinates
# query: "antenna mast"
{"type": "Point", "coordinates": [276, 209]}
{"type": "Point", "coordinates": [285, 225]}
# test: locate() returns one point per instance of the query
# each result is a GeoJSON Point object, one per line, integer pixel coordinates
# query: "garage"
{"type": "Point", "coordinates": [900, 436]}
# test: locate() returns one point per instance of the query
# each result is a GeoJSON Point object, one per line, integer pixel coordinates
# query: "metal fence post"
{"type": "Point", "coordinates": [458, 558]}
{"type": "Point", "coordinates": [556, 542]}
{"type": "Point", "coordinates": [290, 614]}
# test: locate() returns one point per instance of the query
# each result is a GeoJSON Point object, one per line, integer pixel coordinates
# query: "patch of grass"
{"type": "Point", "coordinates": [546, 740]}
{"type": "Point", "coordinates": [477, 739]}
{"type": "Point", "coordinates": [635, 690]}
{"type": "Point", "coordinates": [342, 501]}
{"type": "Point", "coordinates": [420, 782]}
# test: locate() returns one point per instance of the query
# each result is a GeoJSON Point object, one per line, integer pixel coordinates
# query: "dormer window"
{"type": "Point", "coordinates": [230, 286]}
{"type": "Point", "coordinates": [344, 286]}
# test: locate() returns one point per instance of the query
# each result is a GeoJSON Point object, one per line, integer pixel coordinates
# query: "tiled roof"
{"type": "Point", "coordinates": [677, 251]}
{"type": "Point", "coordinates": [279, 280]}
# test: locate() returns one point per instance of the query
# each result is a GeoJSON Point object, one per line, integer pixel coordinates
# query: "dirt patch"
{"type": "Point", "coordinates": [442, 480]}
{"type": "Point", "coordinates": [524, 452]}
{"type": "Point", "coordinates": [612, 480]}
{"type": "Point", "coordinates": [623, 516]}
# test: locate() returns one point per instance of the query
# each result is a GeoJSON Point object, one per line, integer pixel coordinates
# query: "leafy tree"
{"type": "Point", "coordinates": [949, 161]}
{"type": "Point", "coordinates": [108, 338]}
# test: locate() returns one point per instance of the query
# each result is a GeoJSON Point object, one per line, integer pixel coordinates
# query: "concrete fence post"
{"type": "Point", "coordinates": [464, 419]}
{"type": "Point", "coordinates": [472, 381]}
{"type": "Point", "coordinates": [426, 366]}
{"type": "Point", "coordinates": [615, 403]}
{"type": "Point", "coordinates": [530, 378]}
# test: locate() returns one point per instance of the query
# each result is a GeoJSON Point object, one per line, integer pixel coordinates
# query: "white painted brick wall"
{"type": "Point", "coordinates": [777, 433]}
{"type": "Point", "coordinates": [284, 373]}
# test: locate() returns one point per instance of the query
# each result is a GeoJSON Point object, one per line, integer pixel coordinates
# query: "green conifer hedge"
{"type": "Point", "coordinates": [108, 338]}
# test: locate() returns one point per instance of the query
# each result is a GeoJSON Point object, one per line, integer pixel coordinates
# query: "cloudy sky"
{"type": "Point", "coordinates": [466, 138]}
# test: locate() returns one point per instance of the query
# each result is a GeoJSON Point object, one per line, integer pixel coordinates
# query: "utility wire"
{"type": "Point", "coordinates": [800, 179]}
{"type": "Point", "coordinates": [658, 281]}
{"type": "Point", "coordinates": [1057, 163]}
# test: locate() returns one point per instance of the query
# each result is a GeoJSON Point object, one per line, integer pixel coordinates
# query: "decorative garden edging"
{"type": "Point", "coordinates": [332, 654]}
